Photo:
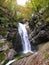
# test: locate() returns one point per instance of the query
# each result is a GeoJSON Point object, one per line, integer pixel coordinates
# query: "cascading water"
{"type": "Point", "coordinates": [25, 41]}
{"type": "Point", "coordinates": [24, 37]}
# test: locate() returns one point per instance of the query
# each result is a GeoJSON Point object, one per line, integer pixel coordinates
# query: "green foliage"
{"type": "Point", "coordinates": [12, 6]}
{"type": "Point", "coordinates": [19, 17]}
{"type": "Point", "coordinates": [37, 5]}
{"type": "Point", "coordinates": [31, 7]}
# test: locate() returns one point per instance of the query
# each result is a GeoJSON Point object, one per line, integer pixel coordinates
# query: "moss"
{"type": "Point", "coordinates": [46, 56]}
{"type": "Point", "coordinates": [32, 60]}
{"type": "Point", "coordinates": [47, 19]}
{"type": "Point", "coordinates": [2, 44]}
{"type": "Point", "coordinates": [2, 56]}
{"type": "Point", "coordinates": [6, 51]}
{"type": "Point", "coordinates": [42, 60]}
{"type": "Point", "coordinates": [18, 55]}
{"type": "Point", "coordinates": [3, 31]}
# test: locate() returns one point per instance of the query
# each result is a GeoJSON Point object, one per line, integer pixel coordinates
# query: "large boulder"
{"type": "Point", "coordinates": [10, 55]}
{"type": "Point", "coordinates": [40, 34]}
{"type": "Point", "coordinates": [10, 36]}
{"type": "Point", "coordinates": [38, 58]}
{"type": "Point", "coordinates": [17, 45]}
{"type": "Point", "coordinates": [3, 45]}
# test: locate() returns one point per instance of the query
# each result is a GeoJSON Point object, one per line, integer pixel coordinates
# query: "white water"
{"type": "Point", "coordinates": [24, 37]}
{"type": "Point", "coordinates": [11, 62]}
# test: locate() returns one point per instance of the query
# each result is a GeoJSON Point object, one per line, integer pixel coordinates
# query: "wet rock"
{"type": "Point", "coordinates": [27, 27]}
{"type": "Point", "coordinates": [11, 54]}
{"type": "Point", "coordinates": [2, 40]}
{"type": "Point", "coordinates": [40, 34]}
{"type": "Point", "coordinates": [3, 45]}
{"type": "Point", "coordinates": [1, 37]}
{"type": "Point", "coordinates": [38, 58]}
{"type": "Point", "coordinates": [10, 35]}
{"type": "Point", "coordinates": [4, 48]}
{"type": "Point", "coordinates": [17, 45]}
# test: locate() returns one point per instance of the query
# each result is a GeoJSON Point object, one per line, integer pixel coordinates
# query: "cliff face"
{"type": "Point", "coordinates": [38, 58]}
{"type": "Point", "coordinates": [9, 49]}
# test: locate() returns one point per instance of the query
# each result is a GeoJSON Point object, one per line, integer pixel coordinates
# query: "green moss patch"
{"type": "Point", "coordinates": [19, 55]}
{"type": "Point", "coordinates": [2, 56]}
{"type": "Point", "coordinates": [46, 56]}
{"type": "Point", "coordinates": [3, 31]}
{"type": "Point", "coordinates": [2, 44]}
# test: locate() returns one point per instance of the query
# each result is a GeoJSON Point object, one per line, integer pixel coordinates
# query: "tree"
{"type": "Point", "coordinates": [37, 5]}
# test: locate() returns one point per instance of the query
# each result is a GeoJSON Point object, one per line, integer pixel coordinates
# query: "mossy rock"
{"type": "Point", "coordinates": [2, 56]}
{"type": "Point", "coordinates": [2, 44]}
{"type": "Point", "coordinates": [3, 31]}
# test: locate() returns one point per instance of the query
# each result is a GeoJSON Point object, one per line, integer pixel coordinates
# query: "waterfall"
{"type": "Point", "coordinates": [24, 37]}
{"type": "Point", "coordinates": [25, 41]}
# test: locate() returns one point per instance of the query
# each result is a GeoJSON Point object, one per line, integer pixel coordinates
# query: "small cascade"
{"type": "Point", "coordinates": [24, 37]}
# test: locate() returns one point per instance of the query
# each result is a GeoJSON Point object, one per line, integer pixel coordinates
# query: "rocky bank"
{"type": "Point", "coordinates": [38, 58]}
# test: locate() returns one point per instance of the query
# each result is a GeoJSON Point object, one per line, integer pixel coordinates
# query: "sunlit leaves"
{"type": "Point", "coordinates": [32, 6]}
{"type": "Point", "coordinates": [37, 5]}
